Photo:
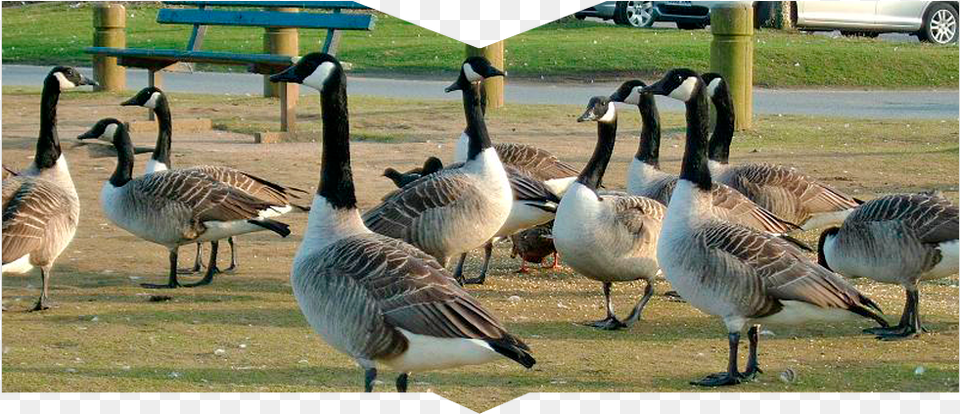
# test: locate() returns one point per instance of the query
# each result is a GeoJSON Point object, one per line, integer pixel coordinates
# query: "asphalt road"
{"type": "Point", "coordinates": [936, 104]}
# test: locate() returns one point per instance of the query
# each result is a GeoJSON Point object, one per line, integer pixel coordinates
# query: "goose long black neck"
{"type": "Point", "coordinates": [336, 176]}
{"type": "Point", "coordinates": [592, 175]}
{"type": "Point", "coordinates": [48, 143]}
{"type": "Point", "coordinates": [161, 152]}
{"type": "Point", "coordinates": [649, 150]}
{"type": "Point", "coordinates": [124, 171]}
{"type": "Point", "coordinates": [723, 132]}
{"type": "Point", "coordinates": [479, 139]}
{"type": "Point", "coordinates": [694, 166]}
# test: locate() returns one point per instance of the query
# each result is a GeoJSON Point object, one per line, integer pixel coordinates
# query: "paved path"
{"type": "Point", "coordinates": [937, 104]}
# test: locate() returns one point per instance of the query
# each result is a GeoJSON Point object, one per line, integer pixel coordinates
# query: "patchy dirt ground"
{"type": "Point", "coordinates": [245, 332]}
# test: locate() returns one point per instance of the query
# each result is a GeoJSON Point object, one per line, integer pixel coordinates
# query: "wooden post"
{"type": "Point", "coordinates": [288, 106]}
{"type": "Point", "coordinates": [731, 55]}
{"type": "Point", "coordinates": [109, 30]}
{"type": "Point", "coordinates": [492, 91]}
{"type": "Point", "coordinates": [279, 41]}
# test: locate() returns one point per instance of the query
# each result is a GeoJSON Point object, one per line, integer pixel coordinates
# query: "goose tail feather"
{"type": "Point", "coordinates": [275, 226]}
{"type": "Point", "coordinates": [514, 349]}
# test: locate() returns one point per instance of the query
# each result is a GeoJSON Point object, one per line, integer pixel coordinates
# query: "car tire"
{"type": "Point", "coordinates": [634, 13]}
{"type": "Point", "coordinates": [690, 26]}
{"type": "Point", "coordinates": [762, 14]}
{"type": "Point", "coordinates": [940, 25]}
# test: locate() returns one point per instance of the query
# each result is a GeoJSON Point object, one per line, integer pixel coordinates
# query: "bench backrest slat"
{"type": "Point", "coordinates": [297, 4]}
{"type": "Point", "coordinates": [342, 21]}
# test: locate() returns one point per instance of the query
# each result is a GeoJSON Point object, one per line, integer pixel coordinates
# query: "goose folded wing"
{"type": "Point", "coordinates": [784, 272]}
{"type": "Point", "coordinates": [395, 215]}
{"type": "Point", "coordinates": [27, 206]}
{"type": "Point", "coordinates": [734, 206]}
{"type": "Point", "coordinates": [250, 184]}
{"type": "Point", "coordinates": [541, 163]}
{"type": "Point", "coordinates": [206, 198]}
{"type": "Point", "coordinates": [527, 188]}
{"type": "Point", "coordinates": [641, 216]}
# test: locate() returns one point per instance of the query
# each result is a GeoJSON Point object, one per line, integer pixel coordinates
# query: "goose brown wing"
{"type": "Point", "coordinates": [250, 184]}
{"type": "Point", "coordinates": [28, 206]}
{"type": "Point", "coordinates": [397, 214]}
{"type": "Point", "coordinates": [206, 198]}
{"type": "Point", "coordinates": [412, 291]}
{"type": "Point", "coordinates": [640, 215]}
{"type": "Point", "coordinates": [930, 216]}
{"type": "Point", "coordinates": [540, 163]}
{"type": "Point", "coordinates": [528, 188]}
{"type": "Point", "coordinates": [737, 208]}
{"type": "Point", "coordinates": [782, 270]}
{"type": "Point", "coordinates": [768, 182]}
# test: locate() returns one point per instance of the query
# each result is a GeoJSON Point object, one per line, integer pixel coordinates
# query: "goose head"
{"type": "Point", "coordinates": [630, 92]}
{"type": "Point", "coordinates": [314, 70]}
{"type": "Point", "coordinates": [713, 81]}
{"type": "Point", "coordinates": [66, 77]}
{"type": "Point", "coordinates": [827, 236]}
{"type": "Point", "coordinates": [474, 70]}
{"type": "Point", "coordinates": [104, 130]}
{"type": "Point", "coordinates": [679, 84]}
{"type": "Point", "coordinates": [599, 109]}
{"type": "Point", "coordinates": [147, 97]}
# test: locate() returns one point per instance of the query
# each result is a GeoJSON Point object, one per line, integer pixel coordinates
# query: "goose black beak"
{"type": "Point", "coordinates": [130, 102]}
{"type": "Point", "coordinates": [453, 87]}
{"type": "Point", "coordinates": [656, 88]}
{"type": "Point", "coordinates": [88, 135]}
{"type": "Point", "coordinates": [289, 75]}
{"type": "Point", "coordinates": [587, 116]}
{"type": "Point", "coordinates": [87, 81]}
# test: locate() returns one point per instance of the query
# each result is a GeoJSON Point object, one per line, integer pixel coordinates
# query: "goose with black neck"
{"type": "Point", "coordinates": [744, 276]}
{"type": "Point", "coordinates": [375, 298]}
{"type": "Point", "coordinates": [609, 238]}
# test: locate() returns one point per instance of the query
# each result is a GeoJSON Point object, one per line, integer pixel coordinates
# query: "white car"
{"type": "Point", "coordinates": [932, 21]}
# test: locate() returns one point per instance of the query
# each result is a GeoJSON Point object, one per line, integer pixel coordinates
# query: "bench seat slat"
{"type": "Point", "coordinates": [298, 4]}
{"type": "Point", "coordinates": [340, 21]}
{"type": "Point", "coordinates": [196, 56]}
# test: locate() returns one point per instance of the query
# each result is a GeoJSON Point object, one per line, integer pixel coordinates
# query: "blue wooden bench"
{"type": "Point", "coordinates": [200, 16]}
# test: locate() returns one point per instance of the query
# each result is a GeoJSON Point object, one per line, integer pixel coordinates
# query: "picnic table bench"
{"type": "Point", "coordinates": [201, 16]}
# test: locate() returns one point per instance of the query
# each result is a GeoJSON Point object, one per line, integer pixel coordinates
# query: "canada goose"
{"type": "Point", "coordinates": [742, 275]}
{"type": "Point", "coordinates": [41, 209]}
{"type": "Point", "coordinates": [644, 177]}
{"type": "Point", "coordinates": [176, 207]}
{"type": "Point", "coordinates": [608, 238]}
{"type": "Point", "coordinates": [900, 239]}
{"type": "Point", "coordinates": [536, 162]}
{"type": "Point", "coordinates": [533, 245]}
{"type": "Point", "coordinates": [460, 207]}
{"type": "Point", "coordinates": [786, 192]}
{"type": "Point", "coordinates": [154, 98]}
{"type": "Point", "coordinates": [430, 166]}
{"type": "Point", "coordinates": [375, 298]}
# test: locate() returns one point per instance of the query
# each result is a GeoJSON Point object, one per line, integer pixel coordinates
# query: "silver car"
{"type": "Point", "coordinates": [932, 21]}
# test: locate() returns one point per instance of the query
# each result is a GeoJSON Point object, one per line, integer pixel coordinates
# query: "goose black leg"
{"type": "Point", "coordinates": [233, 256]}
{"type": "Point", "coordinates": [197, 265]}
{"type": "Point", "coordinates": [753, 367]}
{"type": "Point", "coordinates": [42, 302]}
{"type": "Point", "coordinates": [909, 326]}
{"type": "Point", "coordinates": [487, 252]}
{"type": "Point", "coordinates": [637, 310]}
{"type": "Point", "coordinates": [610, 323]}
{"type": "Point", "coordinates": [211, 267]}
{"type": "Point", "coordinates": [732, 376]}
{"type": "Point", "coordinates": [173, 283]}
{"type": "Point", "coordinates": [458, 274]}
{"type": "Point", "coordinates": [369, 376]}
{"type": "Point", "coordinates": [402, 382]}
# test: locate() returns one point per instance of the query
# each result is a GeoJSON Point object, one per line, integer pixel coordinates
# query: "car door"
{"type": "Point", "coordinates": [837, 14]}
{"type": "Point", "coordinates": [902, 15]}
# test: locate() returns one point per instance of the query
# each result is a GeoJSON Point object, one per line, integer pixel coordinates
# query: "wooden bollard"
{"type": "Point", "coordinates": [731, 55]}
{"type": "Point", "coordinates": [492, 90]}
{"type": "Point", "coordinates": [280, 41]}
{"type": "Point", "coordinates": [109, 30]}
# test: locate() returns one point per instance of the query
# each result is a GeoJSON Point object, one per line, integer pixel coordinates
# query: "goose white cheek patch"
{"type": "Point", "coordinates": [64, 82]}
{"type": "Point", "coordinates": [712, 87]}
{"type": "Point", "coordinates": [109, 132]}
{"type": "Point", "coordinates": [610, 115]}
{"type": "Point", "coordinates": [319, 76]}
{"type": "Point", "coordinates": [152, 102]}
{"type": "Point", "coordinates": [471, 74]}
{"type": "Point", "coordinates": [685, 90]}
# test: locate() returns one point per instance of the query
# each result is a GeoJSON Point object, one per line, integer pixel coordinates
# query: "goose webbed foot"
{"type": "Point", "coordinates": [230, 269]}
{"type": "Point", "coordinates": [402, 382]}
{"type": "Point", "coordinates": [899, 333]}
{"type": "Point", "coordinates": [719, 379]}
{"type": "Point", "coordinates": [475, 281]}
{"type": "Point", "coordinates": [751, 373]}
{"type": "Point", "coordinates": [610, 323]}
{"type": "Point", "coordinates": [189, 270]}
{"type": "Point", "coordinates": [673, 296]}
{"type": "Point", "coordinates": [41, 305]}
{"type": "Point", "coordinates": [170, 285]}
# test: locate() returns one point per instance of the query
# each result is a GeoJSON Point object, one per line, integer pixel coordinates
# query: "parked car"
{"type": "Point", "coordinates": [686, 14]}
{"type": "Point", "coordinates": [932, 21]}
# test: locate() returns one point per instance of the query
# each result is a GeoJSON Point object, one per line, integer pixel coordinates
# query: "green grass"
{"type": "Point", "coordinates": [566, 50]}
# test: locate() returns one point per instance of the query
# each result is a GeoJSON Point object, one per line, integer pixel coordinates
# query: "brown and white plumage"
{"type": "Point", "coordinates": [737, 273]}
{"type": "Point", "coordinates": [899, 239]}
{"type": "Point", "coordinates": [378, 299]}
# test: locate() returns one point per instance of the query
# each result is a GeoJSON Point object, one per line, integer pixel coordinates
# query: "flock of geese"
{"type": "Point", "coordinates": [375, 285]}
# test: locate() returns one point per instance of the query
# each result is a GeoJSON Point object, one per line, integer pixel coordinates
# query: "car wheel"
{"type": "Point", "coordinates": [634, 13]}
{"type": "Point", "coordinates": [690, 26]}
{"type": "Point", "coordinates": [940, 25]}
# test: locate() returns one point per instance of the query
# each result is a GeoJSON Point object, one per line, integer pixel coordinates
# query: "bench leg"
{"type": "Point", "coordinates": [289, 93]}
{"type": "Point", "coordinates": [155, 80]}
